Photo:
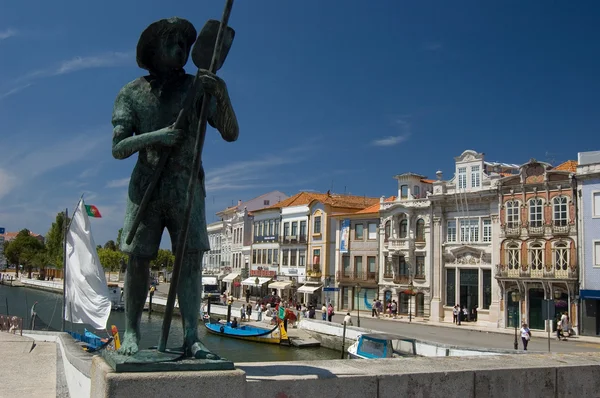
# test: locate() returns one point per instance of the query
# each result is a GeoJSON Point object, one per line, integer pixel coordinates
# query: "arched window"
{"type": "Point", "coordinates": [536, 256]}
{"type": "Point", "coordinates": [388, 230]}
{"type": "Point", "coordinates": [403, 228]}
{"type": "Point", "coordinates": [513, 254]}
{"type": "Point", "coordinates": [512, 214]}
{"type": "Point", "coordinates": [420, 230]}
{"type": "Point", "coordinates": [561, 256]}
{"type": "Point", "coordinates": [536, 214]}
{"type": "Point", "coordinates": [404, 192]}
{"type": "Point", "coordinates": [560, 213]}
{"type": "Point", "coordinates": [417, 192]}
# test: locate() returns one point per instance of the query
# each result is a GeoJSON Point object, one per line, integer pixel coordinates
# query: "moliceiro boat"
{"type": "Point", "coordinates": [381, 345]}
{"type": "Point", "coordinates": [276, 335]}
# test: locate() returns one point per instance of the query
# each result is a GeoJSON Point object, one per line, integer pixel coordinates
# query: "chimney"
{"type": "Point", "coordinates": [239, 202]}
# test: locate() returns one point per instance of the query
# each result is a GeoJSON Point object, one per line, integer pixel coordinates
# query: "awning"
{"type": "Point", "coordinates": [309, 288]}
{"type": "Point", "coordinates": [252, 281]}
{"type": "Point", "coordinates": [589, 294]}
{"type": "Point", "coordinates": [280, 285]}
{"type": "Point", "coordinates": [230, 277]}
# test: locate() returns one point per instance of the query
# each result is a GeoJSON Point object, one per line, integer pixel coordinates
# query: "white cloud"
{"type": "Point", "coordinates": [14, 90]}
{"type": "Point", "coordinates": [7, 182]}
{"type": "Point", "coordinates": [123, 182]}
{"type": "Point", "coordinates": [391, 140]}
{"type": "Point", "coordinates": [5, 34]}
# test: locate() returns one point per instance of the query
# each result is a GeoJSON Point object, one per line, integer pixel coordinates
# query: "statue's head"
{"type": "Point", "coordinates": [165, 45]}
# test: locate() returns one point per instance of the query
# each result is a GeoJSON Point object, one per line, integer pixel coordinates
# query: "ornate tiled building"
{"type": "Point", "coordinates": [538, 243]}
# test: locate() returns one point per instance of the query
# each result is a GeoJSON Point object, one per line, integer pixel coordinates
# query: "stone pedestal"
{"type": "Point", "coordinates": [106, 383]}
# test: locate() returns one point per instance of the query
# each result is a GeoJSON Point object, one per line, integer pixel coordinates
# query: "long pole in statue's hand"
{"type": "Point", "coordinates": [200, 135]}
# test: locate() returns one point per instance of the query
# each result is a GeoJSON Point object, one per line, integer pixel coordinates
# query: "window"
{"type": "Point", "coordinates": [451, 231]}
{"type": "Point", "coordinates": [388, 230]}
{"type": "Point", "coordinates": [266, 203]}
{"type": "Point", "coordinates": [475, 177]}
{"type": "Point", "coordinates": [417, 192]}
{"type": "Point", "coordinates": [256, 230]}
{"type": "Point", "coordinates": [596, 204]}
{"type": "Point", "coordinates": [403, 228]}
{"type": "Point", "coordinates": [264, 256]}
{"type": "Point", "coordinates": [271, 225]}
{"type": "Point", "coordinates": [301, 258]}
{"type": "Point", "coordinates": [276, 256]}
{"type": "Point", "coordinates": [317, 256]}
{"type": "Point", "coordinates": [402, 266]}
{"type": "Point", "coordinates": [403, 191]}
{"type": "Point", "coordinates": [277, 227]}
{"type": "Point", "coordinates": [254, 257]}
{"type": "Point", "coordinates": [561, 217]}
{"type": "Point", "coordinates": [450, 287]}
{"type": "Point", "coordinates": [596, 254]}
{"type": "Point", "coordinates": [286, 229]}
{"type": "Point", "coordinates": [346, 264]}
{"type": "Point", "coordinates": [270, 256]}
{"type": "Point", "coordinates": [261, 229]}
{"type": "Point", "coordinates": [536, 217]}
{"type": "Point", "coordinates": [295, 228]}
{"type": "Point", "coordinates": [469, 230]}
{"type": "Point", "coordinates": [462, 178]}
{"type": "Point", "coordinates": [536, 256]}
{"type": "Point", "coordinates": [420, 230]}
{"type": "Point", "coordinates": [512, 214]}
{"type": "Point", "coordinates": [359, 231]}
{"type": "Point", "coordinates": [487, 289]}
{"type": "Point", "coordinates": [293, 255]}
{"type": "Point", "coordinates": [259, 256]}
{"type": "Point", "coordinates": [358, 266]}
{"type": "Point", "coordinates": [420, 267]}
{"type": "Point", "coordinates": [372, 227]}
{"type": "Point", "coordinates": [286, 254]}
{"type": "Point", "coordinates": [303, 228]}
{"type": "Point", "coordinates": [512, 252]}
{"type": "Point", "coordinates": [561, 256]}
{"type": "Point", "coordinates": [487, 230]}
{"type": "Point", "coordinates": [389, 269]}
{"type": "Point", "coordinates": [371, 263]}
{"type": "Point", "coordinates": [317, 225]}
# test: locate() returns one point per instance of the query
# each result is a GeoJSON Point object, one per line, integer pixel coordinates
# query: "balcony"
{"type": "Point", "coordinates": [293, 239]}
{"type": "Point", "coordinates": [398, 244]}
{"type": "Point", "coordinates": [535, 229]}
{"type": "Point", "coordinates": [401, 279]}
{"type": "Point", "coordinates": [356, 276]}
{"type": "Point", "coordinates": [263, 273]}
{"type": "Point", "coordinates": [535, 272]}
{"type": "Point", "coordinates": [388, 275]}
{"type": "Point", "coordinates": [560, 227]}
{"type": "Point", "coordinates": [314, 271]}
{"type": "Point", "coordinates": [420, 241]}
{"type": "Point", "coordinates": [512, 229]}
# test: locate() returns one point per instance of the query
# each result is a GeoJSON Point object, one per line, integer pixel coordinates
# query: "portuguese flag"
{"type": "Point", "coordinates": [92, 211]}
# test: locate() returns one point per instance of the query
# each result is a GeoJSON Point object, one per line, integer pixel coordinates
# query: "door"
{"type": "Point", "coordinates": [512, 311]}
{"type": "Point", "coordinates": [536, 300]}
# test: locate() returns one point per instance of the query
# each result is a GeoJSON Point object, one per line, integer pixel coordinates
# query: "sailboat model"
{"type": "Point", "coordinates": [85, 291]}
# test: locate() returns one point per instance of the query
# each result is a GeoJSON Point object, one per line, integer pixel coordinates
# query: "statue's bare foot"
{"type": "Point", "coordinates": [129, 345]}
{"type": "Point", "coordinates": [198, 350]}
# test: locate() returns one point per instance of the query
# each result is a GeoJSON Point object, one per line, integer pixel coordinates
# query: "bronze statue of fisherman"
{"type": "Point", "coordinates": [144, 115]}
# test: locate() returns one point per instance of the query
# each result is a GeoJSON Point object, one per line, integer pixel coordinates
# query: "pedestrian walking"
{"type": "Point", "coordinates": [374, 308]}
{"type": "Point", "coordinates": [454, 315]}
{"type": "Point", "coordinates": [324, 312]}
{"type": "Point", "coordinates": [394, 308]}
{"type": "Point", "coordinates": [242, 313]}
{"type": "Point", "coordinates": [330, 313]}
{"type": "Point", "coordinates": [259, 312]}
{"type": "Point", "coordinates": [248, 311]}
{"type": "Point", "coordinates": [525, 336]}
{"type": "Point", "coordinates": [348, 319]}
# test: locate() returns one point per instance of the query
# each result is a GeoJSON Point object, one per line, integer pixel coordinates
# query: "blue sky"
{"type": "Point", "coordinates": [327, 93]}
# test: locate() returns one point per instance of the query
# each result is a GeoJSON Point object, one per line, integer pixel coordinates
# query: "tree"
{"type": "Point", "coordinates": [110, 259]}
{"type": "Point", "coordinates": [23, 250]}
{"type": "Point", "coordinates": [55, 239]}
{"type": "Point", "coordinates": [164, 259]}
{"type": "Point", "coordinates": [110, 245]}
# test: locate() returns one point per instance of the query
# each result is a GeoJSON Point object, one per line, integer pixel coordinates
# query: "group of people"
{"type": "Point", "coordinates": [461, 313]}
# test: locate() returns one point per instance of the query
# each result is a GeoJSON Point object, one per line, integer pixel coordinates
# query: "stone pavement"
{"type": "Point", "coordinates": [29, 367]}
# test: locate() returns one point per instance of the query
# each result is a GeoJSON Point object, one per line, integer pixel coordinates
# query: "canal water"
{"type": "Point", "coordinates": [49, 308]}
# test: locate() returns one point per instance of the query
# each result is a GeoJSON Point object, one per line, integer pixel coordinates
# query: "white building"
{"type": "Point", "coordinates": [211, 261]}
{"type": "Point", "coordinates": [465, 239]}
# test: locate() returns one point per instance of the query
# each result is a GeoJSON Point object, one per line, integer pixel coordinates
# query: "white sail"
{"type": "Point", "coordinates": [86, 288]}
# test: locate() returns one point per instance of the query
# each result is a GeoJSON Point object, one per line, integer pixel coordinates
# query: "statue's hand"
{"type": "Point", "coordinates": [169, 136]}
{"type": "Point", "coordinates": [212, 84]}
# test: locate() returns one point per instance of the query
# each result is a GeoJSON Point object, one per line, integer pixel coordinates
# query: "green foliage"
{"type": "Point", "coordinates": [111, 259]}
{"type": "Point", "coordinates": [25, 250]}
{"type": "Point", "coordinates": [164, 259]}
{"type": "Point", "coordinates": [55, 240]}
{"type": "Point", "coordinates": [110, 245]}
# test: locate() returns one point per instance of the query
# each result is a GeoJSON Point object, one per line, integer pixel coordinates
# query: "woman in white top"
{"type": "Point", "coordinates": [525, 335]}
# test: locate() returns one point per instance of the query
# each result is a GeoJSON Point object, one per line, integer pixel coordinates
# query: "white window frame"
{"type": "Point", "coordinates": [536, 255]}
{"type": "Point", "coordinates": [510, 207]}
{"type": "Point", "coordinates": [595, 210]}
{"type": "Point", "coordinates": [371, 235]}
{"type": "Point", "coordinates": [462, 178]}
{"type": "Point", "coordinates": [469, 229]}
{"type": "Point", "coordinates": [560, 258]}
{"type": "Point", "coordinates": [596, 253]}
{"type": "Point", "coordinates": [539, 214]}
{"type": "Point", "coordinates": [475, 176]}
{"type": "Point", "coordinates": [513, 255]}
{"type": "Point", "coordinates": [555, 203]}
{"type": "Point", "coordinates": [451, 231]}
{"type": "Point", "coordinates": [487, 230]}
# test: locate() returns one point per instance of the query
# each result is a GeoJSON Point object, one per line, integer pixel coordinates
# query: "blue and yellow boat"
{"type": "Point", "coordinates": [276, 335]}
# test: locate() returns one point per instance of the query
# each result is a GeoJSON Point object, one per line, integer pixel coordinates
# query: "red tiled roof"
{"type": "Point", "coordinates": [12, 235]}
{"type": "Point", "coordinates": [373, 209]}
{"type": "Point", "coordinates": [427, 181]}
{"type": "Point", "coordinates": [334, 200]}
{"type": "Point", "coordinates": [569, 165]}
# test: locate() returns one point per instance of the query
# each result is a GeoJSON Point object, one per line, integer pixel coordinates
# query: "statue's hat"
{"type": "Point", "coordinates": [149, 38]}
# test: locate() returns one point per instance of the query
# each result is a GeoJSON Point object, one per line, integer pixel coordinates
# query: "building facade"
{"type": "Point", "coordinates": [465, 239]}
{"type": "Point", "coordinates": [538, 244]}
{"type": "Point", "coordinates": [588, 189]}
{"type": "Point", "coordinates": [211, 261]}
{"type": "Point", "coordinates": [404, 253]}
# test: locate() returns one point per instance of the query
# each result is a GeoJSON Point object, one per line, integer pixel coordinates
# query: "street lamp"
{"type": "Point", "coordinates": [293, 289]}
{"type": "Point", "coordinates": [257, 282]}
{"type": "Point", "coordinates": [516, 298]}
{"type": "Point", "coordinates": [410, 287]}
{"type": "Point", "coordinates": [358, 304]}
